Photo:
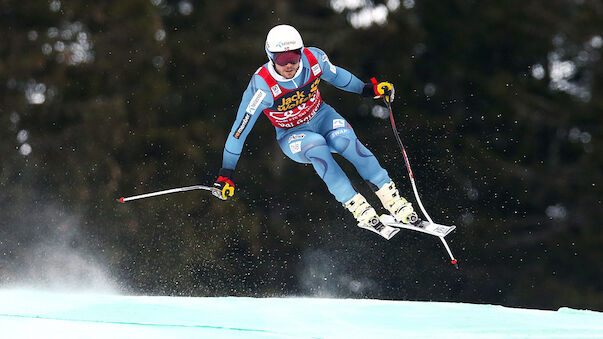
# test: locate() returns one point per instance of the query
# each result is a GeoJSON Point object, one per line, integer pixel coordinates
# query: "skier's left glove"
{"type": "Point", "coordinates": [378, 90]}
{"type": "Point", "coordinates": [224, 188]}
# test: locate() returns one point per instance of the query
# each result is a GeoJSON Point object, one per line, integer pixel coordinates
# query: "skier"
{"type": "Point", "coordinates": [286, 90]}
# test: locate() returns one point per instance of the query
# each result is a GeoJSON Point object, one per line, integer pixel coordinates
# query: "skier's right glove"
{"type": "Point", "coordinates": [224, 188]}
{"type": "Point", "coordinates": [378, 90]}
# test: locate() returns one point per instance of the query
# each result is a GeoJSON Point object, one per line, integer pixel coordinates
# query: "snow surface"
{"type": "Point", "coordinates": [39, 314]}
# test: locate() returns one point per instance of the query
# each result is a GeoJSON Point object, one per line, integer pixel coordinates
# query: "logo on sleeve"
{"type": "Point", "coordinates": [255, 101]}
{"type": "Point", "coordinates": [242, 126]}
{"type": "Point", "coordinates": [325, 58]}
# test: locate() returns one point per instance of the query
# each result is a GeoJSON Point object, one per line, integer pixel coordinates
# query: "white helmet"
{"type": "Point", "coordinates": [283, 38]}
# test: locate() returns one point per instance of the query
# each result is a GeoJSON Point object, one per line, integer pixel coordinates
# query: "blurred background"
{"type": "Point", "coordinates": [499, 104]}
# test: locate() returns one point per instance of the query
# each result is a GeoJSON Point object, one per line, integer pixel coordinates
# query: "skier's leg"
{"type": "Point", "coordinates": [342, 139]}
{"type": "Point", "coordinates": [305, 146]}
{"type": "Point", "coordinates": [308, 147]}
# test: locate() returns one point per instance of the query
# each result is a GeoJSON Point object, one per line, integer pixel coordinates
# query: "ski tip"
{"type": "Point", "coordinates": [121, 200]}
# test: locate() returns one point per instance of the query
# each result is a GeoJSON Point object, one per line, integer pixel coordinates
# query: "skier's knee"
{"type": "Point", "coordinates": [318, 151]}
{"type": "Point", "coordinates": [340, 139]}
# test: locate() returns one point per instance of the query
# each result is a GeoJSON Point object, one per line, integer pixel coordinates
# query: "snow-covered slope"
{"type": "Point", "coordinates": [37, 314]}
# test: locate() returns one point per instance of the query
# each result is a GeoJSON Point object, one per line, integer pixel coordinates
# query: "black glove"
{"type": "Point", "coordinates": [224, 188]}
{"type": "Point", "coordinates": [378, 90]}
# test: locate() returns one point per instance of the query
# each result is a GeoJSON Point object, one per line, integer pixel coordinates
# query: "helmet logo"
{"type": "Point", "coordinates": [285, 45]}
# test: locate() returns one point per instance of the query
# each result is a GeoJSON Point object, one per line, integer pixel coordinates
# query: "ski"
{"type": "Point", "coordinates": [423, 226]}
{"type": "Point", "coordinates": [378, 227]}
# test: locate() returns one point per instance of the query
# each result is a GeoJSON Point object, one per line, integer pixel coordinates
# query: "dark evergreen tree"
{"type": "Point", "coordinates": [499, 105]}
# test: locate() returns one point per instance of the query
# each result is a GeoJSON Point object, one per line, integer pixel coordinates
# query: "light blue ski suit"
{"type": "Point", "coordinates": [313, 141]}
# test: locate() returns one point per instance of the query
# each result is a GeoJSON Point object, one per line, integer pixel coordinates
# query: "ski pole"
{"type": "Point", "coordinates": [213, 190]}
{"type": "Point", "coordinates": [412, 178]}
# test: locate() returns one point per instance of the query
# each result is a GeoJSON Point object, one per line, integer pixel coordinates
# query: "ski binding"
{"type": "Point", "coordinates": [422, 226]}
{"type": "Point", "coordinates": [375, 225]}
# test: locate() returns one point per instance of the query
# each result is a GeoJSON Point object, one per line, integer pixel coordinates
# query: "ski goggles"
{"type": "Point", "coordinates": [289, 57]}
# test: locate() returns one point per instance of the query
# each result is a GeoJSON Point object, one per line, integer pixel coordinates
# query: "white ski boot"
{"type": "Point", "coordinates": [367, 217]}
{"type": "Point", "coordinates": [399, 208]}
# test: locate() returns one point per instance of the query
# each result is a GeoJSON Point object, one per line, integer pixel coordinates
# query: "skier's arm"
{"type": "Point", "coordinates": [343, 79]}
{"type": "Point", "coordinates": [335, 75]}
{"type": "Point", "coordinates": [255, 99]}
